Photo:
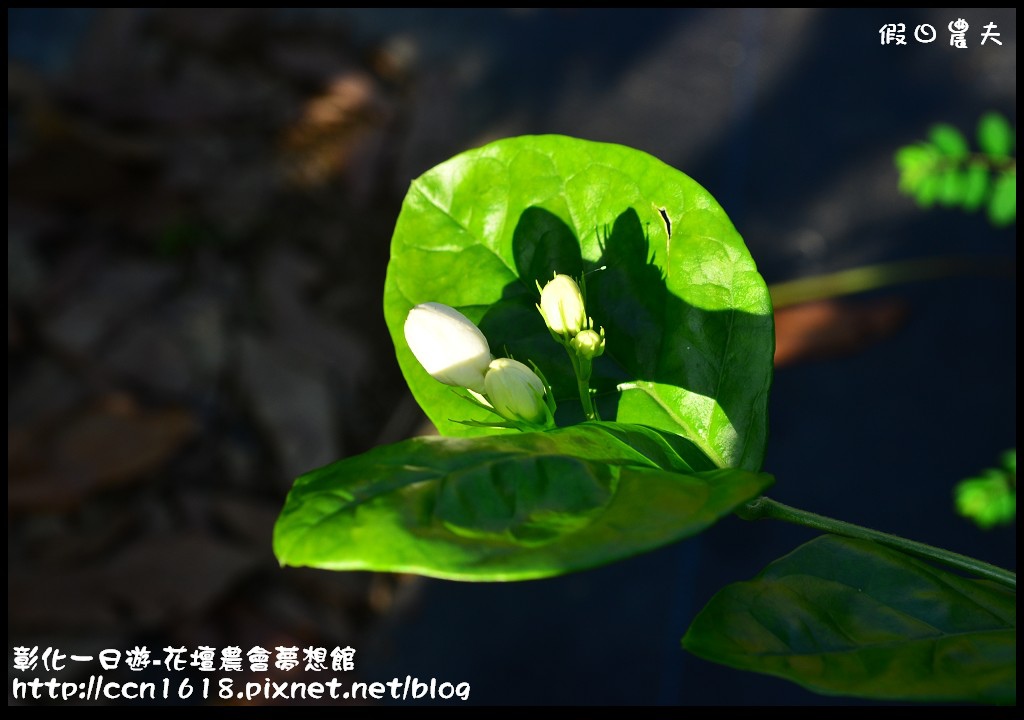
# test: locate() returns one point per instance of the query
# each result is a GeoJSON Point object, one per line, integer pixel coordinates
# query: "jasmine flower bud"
{"type": "Point", "coordinates": [589, 343]}
{"type": "Point", "coordinates": [561, 304]}
{"type": "Point", "coordinates": [516, 392]}
{"type": "Point", "coordinates": [448, 345]}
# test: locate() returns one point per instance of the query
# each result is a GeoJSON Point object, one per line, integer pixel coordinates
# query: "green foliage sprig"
{"type": "Point", "coordinates": [990, 499]}
{"type": "Point", "coordinates": [944, 170]}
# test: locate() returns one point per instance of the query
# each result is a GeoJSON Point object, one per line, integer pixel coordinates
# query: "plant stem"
{"type": "Point", "coordinates": [588, 402]}
{"type": "Point", "coordinates": [871, 277]}
{"type": "Point", "coordinates": [766, 508]}
{"type": "Point", "coordinates": [583, 383]}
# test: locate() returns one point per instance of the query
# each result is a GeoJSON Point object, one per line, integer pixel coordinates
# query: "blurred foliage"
{"type": "Point", "coordinates": [990, 499]}
{"type": "Point", "coordinates": [944, 170]}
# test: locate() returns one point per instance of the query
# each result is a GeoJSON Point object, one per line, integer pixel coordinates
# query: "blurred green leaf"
{"type": "Point", "coordinates": [928, 191]}
{"type": "Point", "coordinates": [995, 135]}
{"type": "Point", "coordinates": [948, 140]}
{"type": "Point", "coordinates": [951, 188]}
{"type": "Point", "coordinates": [909, 158]}
{"type": "Point", "coordinates": [915, 163]}
{"type": "Point", "coordinates": [991, 498]}
{"type": "Point", "coordinates": [1002, 206]}
{"type": "Point", "coordinates": [988, 500]}
{"type": "Point", "coordinates": [507, 507]}
{"type": "Point", "coordinates": [1010, 461]}
{"type": "Point", "coordinates": [850, 617]}
{"type": "Point", "coordinates": [688, 319]}
{"type": "Point", "coordinates": [976, 184]}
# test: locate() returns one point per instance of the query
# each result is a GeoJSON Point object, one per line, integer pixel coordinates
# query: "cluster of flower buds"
{"type": "Point", "coordinates": [565, 313]}
{"type": "Point", "coordinates": [454, 351]}
{"type": "Point", "coordinates": [562, 306]}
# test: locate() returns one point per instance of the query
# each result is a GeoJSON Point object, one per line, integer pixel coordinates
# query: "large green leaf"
{"type": "Point", "coordinates": [504, 507]}
{"type": "Point", "coordinates": [688, 318]}
{"type": "Point", "coordinates": [850, 617]}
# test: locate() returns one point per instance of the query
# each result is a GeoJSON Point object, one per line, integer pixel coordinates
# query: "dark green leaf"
{"type": "Point", "coordinates": [507, 507]}
{"type": "Point", "coordinates": [976, 181]}
{"type": "Point", "coordinates": [687, 316]}
{"type": "Point", "coordinates": [995, 136]}
{"type": "Point", "coordinates": [948, 140]}
{"type": "Point", "coordinates": [1002, 206]}
{"type": "Point", "coordinates": [850, 617]}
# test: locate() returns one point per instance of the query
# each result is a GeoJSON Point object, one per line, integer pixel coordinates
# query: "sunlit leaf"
{"type": "Point", "coordinates": [508, 507]}
{"type": "Point", "coordinates": [687, 316]}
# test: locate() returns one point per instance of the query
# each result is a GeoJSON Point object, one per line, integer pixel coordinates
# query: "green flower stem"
{"type": "Point", "coordinates": [588, 402]}
{"type": "Point", "coordinates": [582, 368]}
{"type": "Point", "coordinates": [766, 508]}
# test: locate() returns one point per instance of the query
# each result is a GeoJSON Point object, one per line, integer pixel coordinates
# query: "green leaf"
{"type": "Point", "coordinates": [928, 191]}
{"type": "Point", "coordinates": [995, 136]}
{"type": "Point", "coordinates": [910, 157]}
{"type": "Point", "coordinates": [948, 140]}
{"type": "Point", "coordinates": [991, 498]}
{"type": "Point", "coordinates": [915, 163]}
{"type": "Point", "coordinates": [952, 187]}
{"type": "Point", "coordinates": [1002, 206]}
{"type": "Point", "coordinates": [688, 318]}
{"type": "Point", "coordinates": [507, 507]}
{"type": "Point", "coordinates": [850, 617]}
{"type": "Point", "coordinates": [976, 182]}
{"type": "Point", "coordinates": [988, 500]}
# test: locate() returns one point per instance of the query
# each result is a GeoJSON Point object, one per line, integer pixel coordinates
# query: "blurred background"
{"type": "Point", "coordinates": [200, 205]}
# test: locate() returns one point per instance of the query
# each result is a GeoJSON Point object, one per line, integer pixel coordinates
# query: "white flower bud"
{"type": "Point", "coordinates": [515, 391]}
{"type": "Point", "coordinates": [448, 345]}
{"type": "Point", "coordinates": [561, 304]}
{"type": "Point", "coordinates": [589, 343]}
